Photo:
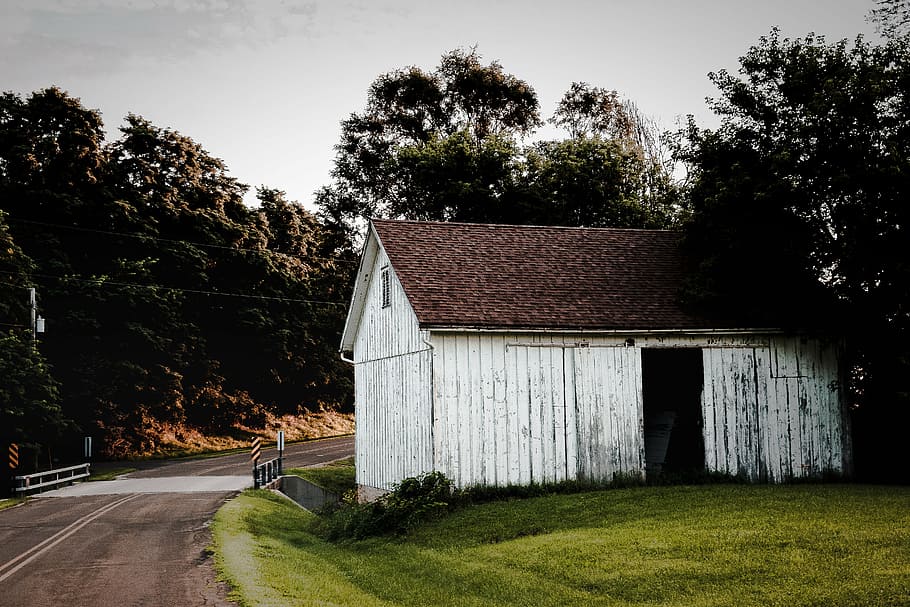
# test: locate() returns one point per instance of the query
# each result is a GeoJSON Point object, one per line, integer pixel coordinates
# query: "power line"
{"type": "Point", "coordinates": [173, 241]}
{"type": "Point", "coordinates": [101, 282]}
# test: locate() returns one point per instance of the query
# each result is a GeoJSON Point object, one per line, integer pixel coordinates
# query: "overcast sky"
{"type": "Point", "coordinates": [263, 84]}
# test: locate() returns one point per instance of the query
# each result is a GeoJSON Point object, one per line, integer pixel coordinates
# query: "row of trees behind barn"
{"type": "Point", "coordinates": [169, 300]}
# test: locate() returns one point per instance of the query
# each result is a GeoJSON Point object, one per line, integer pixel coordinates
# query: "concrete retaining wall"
{"type": "Point", "coordinates": [310, 496]}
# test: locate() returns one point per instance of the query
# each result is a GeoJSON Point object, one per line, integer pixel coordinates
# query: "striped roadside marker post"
{"type": "Point", "coordinates": [254, 457]}
{"type": "Point", "coordinates": [13, 464]}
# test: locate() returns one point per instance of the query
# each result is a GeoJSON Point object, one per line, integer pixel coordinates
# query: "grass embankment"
{"type": "Point", "coordinates": [10, 502]}
{"type": "Point", "coordinates": [170, 440]}
{"type": "Point", "coordinates": [337, 477]}
{"type": "Point", "coordinates": [110, 474]}
{"type": "Point", "coordinates": [833, 545]}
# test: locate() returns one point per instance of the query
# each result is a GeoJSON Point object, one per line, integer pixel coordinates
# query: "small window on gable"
{"type": "Point", "coordinates": [386, 288]}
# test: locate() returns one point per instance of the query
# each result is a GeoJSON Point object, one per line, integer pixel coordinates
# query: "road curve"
{"type": "Point", "coordinates": [296, 455]}
{"type": "Point", "coordinates": [128, 548]}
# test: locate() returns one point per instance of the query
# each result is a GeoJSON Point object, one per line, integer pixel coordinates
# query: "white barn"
{"type": "Point", "coordinates": [512, 354]}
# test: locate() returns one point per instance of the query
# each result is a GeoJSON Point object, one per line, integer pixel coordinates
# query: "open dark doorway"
{"type": "Point", "coordinates": [671, 390]}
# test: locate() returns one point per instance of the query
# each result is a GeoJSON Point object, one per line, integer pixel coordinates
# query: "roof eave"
{"type": "Point", "coordinates": [596, 331]}
{"type": "Point", "coordinates": [359, 295]}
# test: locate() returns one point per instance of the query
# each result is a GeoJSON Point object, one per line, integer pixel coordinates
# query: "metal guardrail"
{"type": "Point", "coordinates": [50, 478]}
{"type": "Point", "coordinates": [265, 473]}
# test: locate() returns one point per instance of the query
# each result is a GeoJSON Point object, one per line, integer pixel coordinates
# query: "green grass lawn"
{"type": "Point", "coordinates": [820, 545]}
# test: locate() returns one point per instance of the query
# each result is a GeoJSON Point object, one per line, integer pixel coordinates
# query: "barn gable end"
{"type": "Point", "coordinates": [392, 376]}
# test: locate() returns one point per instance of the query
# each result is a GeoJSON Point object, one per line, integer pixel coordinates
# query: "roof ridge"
{"type": "Point", "coordinates": [520, 226]}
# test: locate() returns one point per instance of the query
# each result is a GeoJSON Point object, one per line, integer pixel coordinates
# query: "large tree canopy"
{"type": "Point", "coordinates": [803, 188]}
{"type": "Point", "coordinates": [814, 137]}
{"type": "Point", "coordinates": [463, 107]}
{"type": "Point", "coordinates": [449, 145]}
{"type": "Point", "coordinates": [168, 300]}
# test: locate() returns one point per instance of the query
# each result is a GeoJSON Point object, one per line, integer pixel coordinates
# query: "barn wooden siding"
{"type": "Point", "coordinates": [392, 388]}
{"type": "Point", "coordinates": [495, 408]}
{"type": "Point", "coordinates": [775, 413]}
{"type": "Point", "coordinates": [514, 409]}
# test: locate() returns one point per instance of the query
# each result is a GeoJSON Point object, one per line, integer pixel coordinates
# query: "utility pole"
{"type": "Point", "coordinates": [36, 322]}
{"type": "Point", "coordinates": [33, 311]}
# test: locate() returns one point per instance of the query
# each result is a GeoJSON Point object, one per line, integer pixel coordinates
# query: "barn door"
{"type": "Point", "coordinates": [608, 412]}
{"type": "Point", "coordinates": [542, 414]}
{"type": "Point", "coordinates": [578, 414]}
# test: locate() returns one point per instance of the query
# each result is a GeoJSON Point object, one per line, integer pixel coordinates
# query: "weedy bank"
{"type": "Point", "coordinates": [834, 545]}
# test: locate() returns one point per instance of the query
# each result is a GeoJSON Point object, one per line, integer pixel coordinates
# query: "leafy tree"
{"type": "Point", "coordinates": [457, 178]}
{"type": "Point", "coordinates": [892, 17]}
{"type": "Point", "coordinates": [589, 181]}
{"type": "Point", "coordinates": [447, 145]}
{"type": "Point", "coordinates": [585, 111]}
{"type": "Point", "coordinates": [463, 106]}
{"type": "Point", "coordinates": [168, 299]}
{"type": "Point", "coordinates": [30, 409]}
{"type": "Point", "coordinates": [588, 112]}
{"type": "Point", "coordinates": [15, 273]}
{"type": "Point", "coordinates": [801, 193]}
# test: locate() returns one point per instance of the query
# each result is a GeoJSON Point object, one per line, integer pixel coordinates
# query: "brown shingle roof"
{"type": "Point", "coordinates": [501, 276]}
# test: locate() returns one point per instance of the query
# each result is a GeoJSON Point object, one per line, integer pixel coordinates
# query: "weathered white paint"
{"type": "Point", "coordinates": [775, 413]}
{"type": "Point", "coordinates": [498, 408]}
{"type": "Point", "coordinates": [608, 397]}
{"type": "Point", "coordinates": [522, 408]}
{"type": "Point", "coordinates": [392, 386]}
{"type": "Point", "coordinates": [394, 419]}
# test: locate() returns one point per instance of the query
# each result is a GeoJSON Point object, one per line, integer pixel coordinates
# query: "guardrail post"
{"type": "Point", "coordinates": [280, 452]}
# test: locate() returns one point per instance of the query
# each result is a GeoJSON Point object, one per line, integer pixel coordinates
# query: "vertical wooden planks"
{"type": "Point", "coordinates": [500, 409]}
{"type": "Point", "coordinates": [535, 406]}
{"type": "Point", "coordinates": [731, 409]}
{"type": "Point", "coordinates": [389, 445]}
{"type": "Point", "coordinates": [488, 433]}
{"type": "Point", "coordinates": [518, 408]}
{"type": "Point", "coordinates": [448, 348]}
{"type": "Point", "coordinates": [607, 388]}
{"type": "Point", "coordinates": [590, 425]}
{"type": "Point", "coordinates": [783, 405]}
{"type": "Point", "coordinates": [830, 418]}
{"type": "Point", "coordinates": [523, 406]}
{"type": "Point", "coordinates": [716, 370]}
{"type": "Point", "coordinates": [462, 404]}
{"type": "Point", "coordinates": [748, 428]}
{"type": "Point", "coordinates": [766, 419]}
{"type": "Point", "coordinates": [571, 414]}
{"type": "Point", "coordinates": [513, 428]}
{"type": "Point", "coordinates": [608, 364]}
{"type": "Point", "coordinates": [549, 361]}
{"type": "Point", "coordinates": [709, 410]}
{"type": "Point", "coordinates": [558, 388]}
{"type": "Point", "coordinates": [476, 414]}
{"type": "Point", "coordinates": [637, 417]}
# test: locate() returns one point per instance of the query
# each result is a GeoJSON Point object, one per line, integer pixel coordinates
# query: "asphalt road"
{"type": "Point", "coordinates": [298, 455]}
{"type": "Point", "coordinates": [139, 541]}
